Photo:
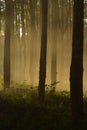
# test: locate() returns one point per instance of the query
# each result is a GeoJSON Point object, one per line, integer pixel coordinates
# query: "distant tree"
{"type": "Point", "coordinates": [12, 41]}
{"type": "Point", "coordinates": [0, 15]}
{"type": "Point", "coordinates": [43, 53]}
{"type": "Point", "coordinates": [23, 37]}
{"type": "Point", "coordinates": [76, 70]}
{"type": "Point", "coordinates": [54, 43]}
{"type": "Point", "coordinates": [7, 44]}
{"type": "Point", "coordinates": [33, 39]}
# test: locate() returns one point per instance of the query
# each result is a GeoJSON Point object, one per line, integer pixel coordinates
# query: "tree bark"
{"type": "Point", "coordinates": [43, 53]}
{"type": "Point", "coordinates": [76, 69]}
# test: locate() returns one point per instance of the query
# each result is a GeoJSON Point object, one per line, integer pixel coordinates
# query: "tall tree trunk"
{"type": "Point", "coordinates": [54, 43]}
{"type": "Point", "coordinates": [33, 41]}
{"type": "Point", "coordinates": [0, 16]}
{"type": "Point", "coordinates": [23, 38]}
{"type": "Point", "coordinates": [12, 46]}
{"type": "Point", "coordinates": [76, 70]}
{"type": "Point", "coordinates": [43, 53]}
{"type": "Point", "coordinates": [7, 45]}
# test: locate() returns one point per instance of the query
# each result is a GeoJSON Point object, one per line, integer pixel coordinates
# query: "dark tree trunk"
{"type": "Point", "coordinates": [7, 45]}
{"type": "Point", "coordinates": [43, 53]}
{"type": "Point", "coordinates": [76, 70]}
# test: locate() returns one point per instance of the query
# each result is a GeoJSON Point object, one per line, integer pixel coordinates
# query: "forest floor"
{"type": "Point", "coordinates": [20, 110]}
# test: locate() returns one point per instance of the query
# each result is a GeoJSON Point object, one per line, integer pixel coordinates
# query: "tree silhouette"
{"type": "Point", "coordinates": [76, 70]}
{"type": "Point", "coordinates": [43, 53]}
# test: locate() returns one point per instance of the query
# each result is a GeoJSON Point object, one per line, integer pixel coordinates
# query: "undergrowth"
{"type": "Point", "coordinates": [20, 109]}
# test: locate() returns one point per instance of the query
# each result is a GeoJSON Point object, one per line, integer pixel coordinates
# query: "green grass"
{"type": "Point", "coordinates": [20, 110]}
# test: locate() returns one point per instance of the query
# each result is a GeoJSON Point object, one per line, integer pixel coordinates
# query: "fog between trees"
{"type": "Point", "coordinates": [25, 24]}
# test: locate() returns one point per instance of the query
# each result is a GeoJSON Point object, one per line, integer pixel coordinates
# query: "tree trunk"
{"type": "Point", "coordinates": [12, 46]}
{"type": "Point", "coordinates": [33, 40]}
{"type": "Point", "coordinates": [54, 44]}
{"type": "Point", "coordinates": [23, 39]}
{"type": "Point", "coordinates": [7, 45]}
{"type": "Point", "coordinates": [76, 70]}
{"type": "Point", "coordinates": [43, 53]}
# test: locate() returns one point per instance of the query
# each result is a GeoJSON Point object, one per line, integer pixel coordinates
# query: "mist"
{"type": "Point", "coordinates": [26, 42]}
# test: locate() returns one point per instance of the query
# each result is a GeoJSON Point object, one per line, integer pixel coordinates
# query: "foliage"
{"type": "Point", "coordinates": [1, 82]}
{"type": "Point", "coordinates": [19, 109]}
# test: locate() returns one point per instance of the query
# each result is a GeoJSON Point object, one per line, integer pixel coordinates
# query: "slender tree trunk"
{"type": "Point", "coordinates": [76, 70]}
{"type": "Point", "coordinates": [7, 45]}
{"type": "Point", "coordinates": [23, 38]}
{"type": "Point", "coordinates": [33, 40]}
{"type": "Point", "coordinates": [12, 43]}
{"type": "Point", "coordinates": [54, 43]}
{"type": "Point", "coordinates": [43, 53]}
{"type": "Point", "coordinates": [0, 15]}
